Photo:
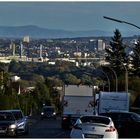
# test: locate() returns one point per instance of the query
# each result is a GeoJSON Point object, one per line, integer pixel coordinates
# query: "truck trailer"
{"type": "Point", "coordinates": [112, 101]}
{"type": "Point", "coordinates": [77, 101]}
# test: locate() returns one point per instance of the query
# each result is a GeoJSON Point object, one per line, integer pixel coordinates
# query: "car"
{"type": "Point", "coordinates": [92, 126]}
{"type": "Point", "coordinates": [22, 122]}
{"type": "Point", "coordinates": [48, 112]}
{"type": "Point", "coordinates": [127, 123]}
{"type": "Point", "coordinates": [12, 123]}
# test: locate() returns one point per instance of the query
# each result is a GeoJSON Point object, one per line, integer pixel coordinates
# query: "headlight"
{"type": "Point", "coordinates": [54, 113]}
{"type": "Point", "coordinates": [12, 126]}
{"type": "Point", "coordinates": [42, 113]}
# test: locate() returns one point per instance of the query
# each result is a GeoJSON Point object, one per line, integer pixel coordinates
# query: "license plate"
{"type": "Point", "coordinates": [93, 136]}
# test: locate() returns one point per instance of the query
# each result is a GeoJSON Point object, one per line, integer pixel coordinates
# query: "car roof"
{"type": "Point", "coordinates": [99, 116]}
{"type": "Point", "coordinates": [48, 107]}
{"type": "Point", "coordinates": [119, 112]}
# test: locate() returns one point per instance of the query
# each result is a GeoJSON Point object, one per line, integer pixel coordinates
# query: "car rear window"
{"type": "Point", "coordinates": [95, 120]}
{"type": "Point", "coordinates": [48, 109]}
{"type": "Point", "coordinates": [113, 116]}
{"type": "Point", "coordinates": [135, 116]}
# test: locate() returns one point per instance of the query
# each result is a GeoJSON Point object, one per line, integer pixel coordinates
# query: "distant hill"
{"type": "Point", "coordinates": [37, 32]}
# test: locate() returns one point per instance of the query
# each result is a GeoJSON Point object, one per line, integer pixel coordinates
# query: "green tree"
{"type": "Point", "coordinates": [116, 55]}
{"type": "Point", "coordinates": [86, 79]}
{"type": "Point", "coordinates": [71, 79]}
{"type": "Point", "coordinates": [135, 61]}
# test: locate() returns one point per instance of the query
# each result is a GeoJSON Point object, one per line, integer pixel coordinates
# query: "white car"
{"type": "Point", "coordinates": [94, 127]}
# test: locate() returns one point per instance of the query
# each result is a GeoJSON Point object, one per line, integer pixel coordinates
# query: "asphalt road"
{"type": "Point", "coordinates": [47, 128]}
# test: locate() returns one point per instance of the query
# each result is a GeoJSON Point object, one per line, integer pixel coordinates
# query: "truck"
{"type": "Point", "coordinates": [112, 101]}
{"type": "Point", "coordinates": [77, 101]}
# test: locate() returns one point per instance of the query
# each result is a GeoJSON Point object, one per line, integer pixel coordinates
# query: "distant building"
{"type": "Point", "coordinates": [96, 45]}
{"type": "Point", "coordinates": [77, 54]}
{"type": "Point", "coordinates": [26, 39]}
{"type": "Point", "coordinates": [15, 78]}
{"type": "Point", "coordinates": [13, 48]}
{"type": "Point", "coordinates": [40, 52]}
{"type": "Point", "coordinates": [93, 45]}
{"type": "Point", "coordinates": [21, 49]}
{"type": "Point", "coordinates": [101, 45]}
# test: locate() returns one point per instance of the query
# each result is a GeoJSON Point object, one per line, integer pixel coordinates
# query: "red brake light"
{"type": "Point", "coordinates": [65, 118]}
{"type": "Point", "coordinates": [110, 129]}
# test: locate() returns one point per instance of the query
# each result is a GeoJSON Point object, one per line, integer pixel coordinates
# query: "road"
{"type": "Point", "coordinates": [47, 128]}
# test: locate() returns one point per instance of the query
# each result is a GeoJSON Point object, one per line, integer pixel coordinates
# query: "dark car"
{"type": "Point", "coordinates": [127, 123]}
{"type": "Point", "coordinates": [48, 112]}
{"type": "Point", "coordinates": [12, 123]}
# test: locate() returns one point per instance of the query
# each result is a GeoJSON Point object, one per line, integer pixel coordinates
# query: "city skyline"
{"type": "Point", "coordinates": [71, 16]}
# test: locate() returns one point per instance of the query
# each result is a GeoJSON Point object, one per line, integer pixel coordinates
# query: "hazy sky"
{"type": "Point", "coordinates": [70, 15]}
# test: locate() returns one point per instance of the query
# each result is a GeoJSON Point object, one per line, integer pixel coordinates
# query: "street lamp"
{"type": "Point", "coordinates": [115, 76]}
{"type": "Point", "coordinates": [108, 80]}
{"type": "Point", "coordinates": [121, 21]}
{"type": "Point", "coordinates": [126, 75]}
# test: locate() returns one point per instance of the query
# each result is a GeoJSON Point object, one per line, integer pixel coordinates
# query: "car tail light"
{"type": "Point", "coordinates": [110, 129]}
{"type": "Point", "coordinates": [64, 118]}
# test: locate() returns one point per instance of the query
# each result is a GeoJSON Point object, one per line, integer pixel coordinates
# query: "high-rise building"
{"type": "Point", "coordinates": [40, 52]}
{"type": "Point", "coordinates": [21, 49]}
{"type": "Point", "coordinates": [101, 45]}
{"type": "Point", "coordinates": [93, 45]}
{"type": "Point", "coordinates": [13, 47]}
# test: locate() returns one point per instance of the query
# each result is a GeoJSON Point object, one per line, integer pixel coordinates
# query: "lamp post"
{"type": "Point", "coordinates": [115, 76]}
{"type": "Point", "coordinates": [108, 80]}
{"type": "Point", "coordinates": [126, 75]}
{"type": "Point", "coordinates": [121, 21]}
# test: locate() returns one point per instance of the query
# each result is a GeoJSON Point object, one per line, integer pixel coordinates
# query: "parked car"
{"type": "Point", "coordinates": [12, 123]}
{"type": "Point", "coordinates": [94, 127]}
{"type": "Point", "coordinates": [127, 123]}
{"type": "Point", "coordinates": [48, 112]}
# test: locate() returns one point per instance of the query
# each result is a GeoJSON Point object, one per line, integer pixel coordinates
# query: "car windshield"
{"type": "Point", "coordinates": [95, 120]}
{"type": "Point", "coordinates": [6, 116]}
{"type": "Point", "coordinates": [48, 109]}
{"type": "Point", "coordinates": [17, 114]}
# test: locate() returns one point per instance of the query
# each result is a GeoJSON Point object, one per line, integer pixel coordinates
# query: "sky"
{"type": "Point", "coordinates": [71, 16]}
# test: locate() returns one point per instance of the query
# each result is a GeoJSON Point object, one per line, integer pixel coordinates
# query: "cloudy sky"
{"type": "Point", "coordinates": [70, 15]}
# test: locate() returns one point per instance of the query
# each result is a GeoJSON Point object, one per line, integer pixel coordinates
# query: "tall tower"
{"type": "Point", "coordinates": [26, 41]}
{"type": "Point", "coordinates": [13, 47]}
{"type": "Point", "coordinates": [40, 52]}
{"type": "Point", "coordinates": [21, 49]}
{"type": "Point", "coordinates": [101, 45]}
